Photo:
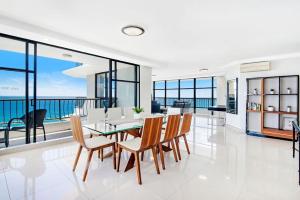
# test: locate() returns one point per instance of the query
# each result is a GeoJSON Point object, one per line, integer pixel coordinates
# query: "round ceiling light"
{"type": "Point", "coordinates": [203, 69]}
{"type": "Point", "coordinates": [133, 30]}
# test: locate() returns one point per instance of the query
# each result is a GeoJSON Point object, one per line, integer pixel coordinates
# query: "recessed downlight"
{"type": "Point", "coordinates": [132, 30]}
{"type": "Point", "coordinates": [67, 55]}
{"type": "Point", "coordinates": [203, 69]}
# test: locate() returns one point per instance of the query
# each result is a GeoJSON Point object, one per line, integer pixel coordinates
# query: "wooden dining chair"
{"type": "Point", "coordinates": [90, 144]}
{"type": "Point", "coordinates": [150, 139]}
{"type": "Point", "coordinates": [183, 131]}
{"type": "Point", "coordinates": [168, 135]}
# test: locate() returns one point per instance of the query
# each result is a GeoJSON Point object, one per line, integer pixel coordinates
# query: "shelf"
{"type": "Point", "coordinates": [253, 111]}
{"type": "Point", "coordinates": [289, 94]}
{"type": "Point", "coordinates": [270, 94]}
{"type": "Point", "coordinates": [287, 134]}
{"type": "Point", "coordinates": [254, 94]}
{"type": "Point", "coordinates": [281, 112]}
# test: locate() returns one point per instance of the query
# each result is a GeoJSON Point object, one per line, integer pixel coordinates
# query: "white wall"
{"type": "Point", "coordinates": [221, 90]}
{"type": "Point", "coordinates": [146, 88]}
{"type": "Point", "coordinates": [289, 66]}
{"type": "Point", "coordinates": [90, 83]}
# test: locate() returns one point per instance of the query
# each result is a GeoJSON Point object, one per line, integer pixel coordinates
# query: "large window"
{"type": "Point", "coordinates": [46, 83]}
{"type": "Point", "coordinates": [121, 89]}
{"type": "Point", "coordinates": [171, 92]}
{"type": "Point", "coordinates": [198, 92]}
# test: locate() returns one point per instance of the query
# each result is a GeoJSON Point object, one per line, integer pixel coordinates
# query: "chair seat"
{"type": "Point", "coordinates": [162, 136]}
{"type": "Point", "coordinates": [134, 144]}
{"type": "Point", "coordinates": [97, 142]}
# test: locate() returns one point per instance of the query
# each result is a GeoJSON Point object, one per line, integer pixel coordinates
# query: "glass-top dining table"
{"type": "Point", "coordinates": [115, 126]}
{"type": "Point", "coordinates": [119, 127]}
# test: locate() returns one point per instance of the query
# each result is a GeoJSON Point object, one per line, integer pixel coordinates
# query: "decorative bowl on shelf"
{"type": "Point", "coordinates": [271, 108]}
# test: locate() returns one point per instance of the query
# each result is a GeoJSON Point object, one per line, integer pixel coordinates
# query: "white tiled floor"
{"type": "Point", "coordinates": [224, 164]}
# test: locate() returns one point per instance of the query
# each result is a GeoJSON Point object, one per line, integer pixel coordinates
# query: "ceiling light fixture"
{"type": "Point", "coordinates": [203, 69]}
{"type": "Point", "coordinates": [132, 30]}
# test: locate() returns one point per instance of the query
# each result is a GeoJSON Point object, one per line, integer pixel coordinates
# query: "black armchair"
{"type": "Point", "coordinates": [40, 117]}
{"type": "Point", "coordinates": [155, 107]}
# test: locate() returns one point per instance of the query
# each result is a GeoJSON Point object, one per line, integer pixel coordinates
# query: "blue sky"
{"type": "Point", "coordinates": [50, 79]}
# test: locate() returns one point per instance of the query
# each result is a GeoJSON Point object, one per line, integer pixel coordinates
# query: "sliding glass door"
{"type": "Point", "coordinates": [17, 89]}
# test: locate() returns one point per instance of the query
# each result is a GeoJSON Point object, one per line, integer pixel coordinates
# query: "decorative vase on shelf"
{"type": "Point", "coordinates": [289, 91]}
{"type": "Point", "coordinates": [255, 91]}
{"type": "Point", "coordinates": [272, 91]}
{"type": "Point", "coordinates": [288, 108]}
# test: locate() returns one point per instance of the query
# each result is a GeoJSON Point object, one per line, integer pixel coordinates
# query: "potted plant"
{"type": "Point", "coordinates": [137, 112]}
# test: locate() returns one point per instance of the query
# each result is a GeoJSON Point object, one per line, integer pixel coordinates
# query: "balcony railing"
{"type": "Point", "coordinates": [200, 102]}
{"type": "Point", "coordinates": [57, 108]}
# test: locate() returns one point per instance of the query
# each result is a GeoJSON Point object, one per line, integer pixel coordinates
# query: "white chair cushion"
{"type": "Point", "coordinates": [134, 144]}
{"type": "Point", "coordinates": [97, 141]}
{"type": "Point", "coordinates": [162, 136]}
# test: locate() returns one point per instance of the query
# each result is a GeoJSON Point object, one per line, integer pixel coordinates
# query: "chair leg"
{"type": "Point", "coordinates": [162, 157]}
{"type": "Point", "coordinates": [119, 158]}
{"type": "Point", "coordinates": [138, 167]}
{"type": "Point", "coordinates": [114, 155]}
{"type": "Point", "coordinates": [6, 138]}
{"type": "Point", "coordinates": [101, 152]}
{"type": "Point", "coordinates": [177, 148]}
{"type": "Point", "coordinates": [154, 153]}
{"type": "Point", "coordinates": [186, 144]}
{"type": "Point", "coordinates": [88, 164]}
{"type": "Point", "coordinates": [174, 150]}
{"type": "Point", "coordinates": [44, 132]}
{"type": "Point", "coordinates": [77, 157]}
{"type": "Point", "coordinates": [142, 156]}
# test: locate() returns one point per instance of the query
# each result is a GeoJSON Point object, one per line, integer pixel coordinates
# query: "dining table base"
{"type": "Point", "coordinates": [131, 160]}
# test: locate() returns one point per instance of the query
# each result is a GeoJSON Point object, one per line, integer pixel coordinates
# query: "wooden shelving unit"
{"type": "Point", "coordinates": [272, 123]}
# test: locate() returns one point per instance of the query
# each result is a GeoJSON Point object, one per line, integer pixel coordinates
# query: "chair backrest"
{"type": "Point", "coordinates": [172, 127]}
{"type": "Point", "coordinates": [173, 111]}
{"type": "Point", "coordinates": [128, 112]}
{"type": "Point", "coordinates": [77, 130]}
{"type": "Point", "coordinates": [186, 123]}
{"type": "Point", "coordinates": [40, 117]}
{"type": "Point", "coordinates": [151, 132]}
{"type": "Point", "coordinates": [95, 115]}
{"type": "Point", "coordinates": [114, 113]}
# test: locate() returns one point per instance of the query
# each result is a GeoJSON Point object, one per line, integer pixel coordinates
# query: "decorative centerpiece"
{"type": "Point", "coordinates": [289, 90]}
{"type": "Point", "coordinates": [272, 91]}
{"type": "Point", "coordinates": [288, 108]}
{"type": "Point", "coordinates": [137, 112]}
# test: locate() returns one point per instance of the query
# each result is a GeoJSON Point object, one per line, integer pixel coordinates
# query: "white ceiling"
{"type": "Point", "coordinates": [182, 36]}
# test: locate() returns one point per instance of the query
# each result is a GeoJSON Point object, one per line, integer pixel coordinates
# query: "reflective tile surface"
{"type": "Point", "coordinates": [224, 164]}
